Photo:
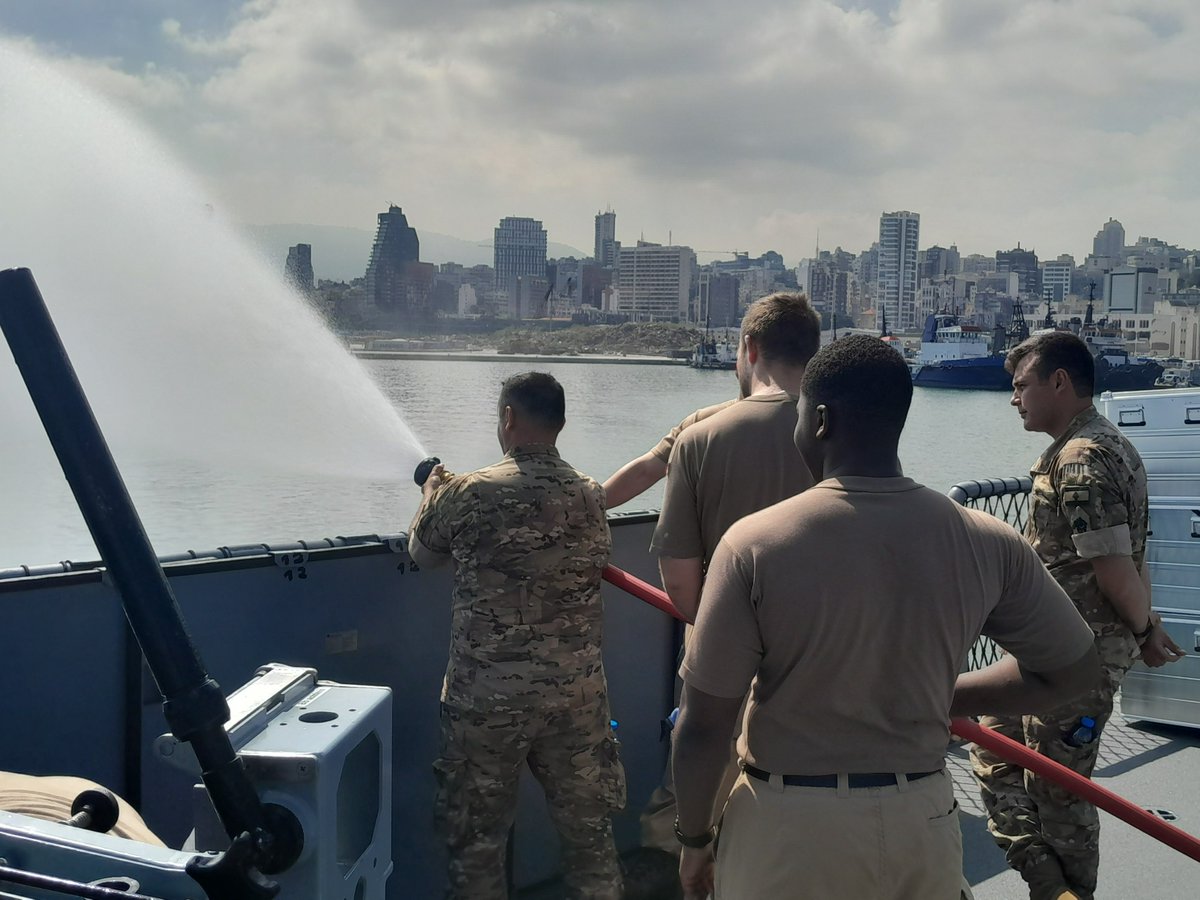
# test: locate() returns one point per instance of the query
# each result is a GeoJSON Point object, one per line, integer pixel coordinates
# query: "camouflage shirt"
{"type": "Point", "coordinates": [529, 538]}
{"type": "Point", "coordinates": [1089, 500]}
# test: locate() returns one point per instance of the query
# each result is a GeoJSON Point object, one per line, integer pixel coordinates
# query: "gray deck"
{"type": "Point", "coordinates": [1154, 766]}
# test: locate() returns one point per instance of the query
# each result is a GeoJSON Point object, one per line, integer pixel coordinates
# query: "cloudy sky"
{"type": "Point", "coordinates": [747, 125]}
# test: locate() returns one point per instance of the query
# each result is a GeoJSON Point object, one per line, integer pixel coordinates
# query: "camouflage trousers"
{"type": "Point", "coordinates": [1047, 834]}
{"type": "Point", "coordinates": [571, 752]}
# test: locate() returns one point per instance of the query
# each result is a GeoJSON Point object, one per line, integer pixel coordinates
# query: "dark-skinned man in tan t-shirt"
{"type": "Point", "coordinates": [848, 612]}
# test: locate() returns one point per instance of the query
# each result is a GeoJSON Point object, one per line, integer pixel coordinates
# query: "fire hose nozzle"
{"type": "Point", "coordinates": [424, 468]}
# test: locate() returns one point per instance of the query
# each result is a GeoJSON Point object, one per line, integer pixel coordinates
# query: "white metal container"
{"type": "Point", "coordinates": [1164, 426]}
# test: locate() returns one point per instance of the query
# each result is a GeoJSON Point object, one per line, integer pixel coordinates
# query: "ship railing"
{"type": "Point", "coordinates": [1008, 499]}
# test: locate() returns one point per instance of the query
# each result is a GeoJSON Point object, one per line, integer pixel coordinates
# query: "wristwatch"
{"type": "Point", "coordinates": [695, 841]}
{"type": "Point", "coordinates": [1142, 635]}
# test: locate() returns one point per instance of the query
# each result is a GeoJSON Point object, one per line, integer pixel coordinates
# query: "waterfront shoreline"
{"type": "Point", "coordinates": [469, 356]}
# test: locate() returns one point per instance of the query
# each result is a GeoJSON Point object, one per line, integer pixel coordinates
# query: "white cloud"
{"type": "Point", "coordinates": [755, 123]}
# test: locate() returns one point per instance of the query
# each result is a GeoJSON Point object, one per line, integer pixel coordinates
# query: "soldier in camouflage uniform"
{"type": "Point", "coordinates": [525, 681]}
{"type": "Point", "coordinates": [1088, 519]}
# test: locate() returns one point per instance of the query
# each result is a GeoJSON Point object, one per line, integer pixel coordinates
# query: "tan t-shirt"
{"type": "Point", "coordinates": [662, 450]}
{"type": "Point", "coordinates": [733, 463]}
{"type": "Point", "coordinates": [852, 607]}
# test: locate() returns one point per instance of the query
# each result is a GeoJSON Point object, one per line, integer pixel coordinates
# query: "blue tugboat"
{"type": "Point", "coordinates": [959, 356]}
{"type": "Point", "coordinates": [962, 356]}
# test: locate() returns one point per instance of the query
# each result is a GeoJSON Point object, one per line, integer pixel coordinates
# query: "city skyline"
{"type": "Point", "coordinates": [815, 121]}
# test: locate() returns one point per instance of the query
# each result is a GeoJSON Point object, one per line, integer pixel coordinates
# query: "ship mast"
{"type": "Point", "coordinates": [1018, 330]}
{"type": "Point", "coordinates": [1049, 322]}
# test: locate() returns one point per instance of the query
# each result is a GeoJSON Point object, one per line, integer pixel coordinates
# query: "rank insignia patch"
{"type": "Point", "coordinates": [1076, 494]}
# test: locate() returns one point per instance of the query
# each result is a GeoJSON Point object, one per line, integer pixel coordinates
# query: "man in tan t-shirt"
{"type": "Point", "coordinates": [740, 459]}
{"type": "Point", "coordinates": [728, 464]}
{"type": "Point", "coordinates": [848, 612]}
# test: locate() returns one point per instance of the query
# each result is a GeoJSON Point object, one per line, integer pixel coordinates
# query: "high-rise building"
{"type": "Point", "coordinates": [298, 269]}
{"type": "Point", "coordinates": [953, 262]}
{"type": "Point", "coordinates": [529, 296]}
{"type": "Point", "coordinates": [866, 273]}
{"type": "Point", "coordinates": [896, 278]}
{"type": "Point", "coordinates": [519, 248]}
{"type": "Point", "coordinates": [1110, 242]}
{"type": "Point", "coordinates": [977, 263]}
{"type": "Point", "coordinates": [607, 247]}
{"type": "Point", "coordinates": [396, 246]}
{"type": "Point", "coordinates": [1131, 289]}
{"type": "Point", "coordinates": [932, 263]}
{"type": "Point", "coordinates": [655, 282]}
{"type": "Point", "coordinates": [717, 299]}
{"type": "Point", "coordinates": [827, 281]}
{"type": "Point", "coordinates": [1056, 279]}
{"type": "Point", "coordinates": [1025, 264]}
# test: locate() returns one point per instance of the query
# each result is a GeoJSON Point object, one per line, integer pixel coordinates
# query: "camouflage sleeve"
{"type": "Point", "coordinates": [1033, 619]}
{"type": "Point", "coordinates": [1094, 501]}
{"type": "Point", "coordinates": [440, 519]}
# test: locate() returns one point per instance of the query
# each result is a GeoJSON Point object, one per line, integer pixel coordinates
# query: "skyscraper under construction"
{"type": "Point", "coordinates": [395, 278]}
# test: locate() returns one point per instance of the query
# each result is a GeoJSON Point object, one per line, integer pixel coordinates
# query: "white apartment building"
{"type": "Point", "coordinates": [655, 282]}
{"type": "Point", "coordinates": [896, 281]}
{"type": "Point", "coordinates": [1056, 280]}
{"type": "Point", "coordinates": [519, 248]}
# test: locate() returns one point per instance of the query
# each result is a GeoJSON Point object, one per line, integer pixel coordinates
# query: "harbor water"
{"type": "Point", "coordinates": [614, 413]}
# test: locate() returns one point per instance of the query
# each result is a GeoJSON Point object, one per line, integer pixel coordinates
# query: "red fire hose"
{"type": "Point", "coordinates": [648, 593]}
{"type": "Point", "coordinates": [1006, 748]}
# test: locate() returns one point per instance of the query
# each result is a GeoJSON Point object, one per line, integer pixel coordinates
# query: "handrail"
{"type": "Point", "coordinates": [1004, 747]}
{"type": "Point", "coordinates": [990, 487]}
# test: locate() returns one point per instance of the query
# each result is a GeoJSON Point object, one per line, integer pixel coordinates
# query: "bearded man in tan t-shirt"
{"type": "Point", "coordinates": [727, 464]}
{"type": "Point", "coordinates": [741, 458]}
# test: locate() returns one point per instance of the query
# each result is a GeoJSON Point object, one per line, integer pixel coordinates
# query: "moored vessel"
{"type": "Point", "coordinates": [711, 353]}
{"type": "Point", "coordinates": [962, 356]}
{"type": "Point", "coordinates": [958, 356]}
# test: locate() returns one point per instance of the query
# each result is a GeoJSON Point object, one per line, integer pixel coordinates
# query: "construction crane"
{"type": "Point", "coordinates": [736, 253]}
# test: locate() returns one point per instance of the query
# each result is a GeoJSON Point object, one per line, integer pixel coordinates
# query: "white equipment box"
{"type": "Point", "coordinates": [1164, 426]}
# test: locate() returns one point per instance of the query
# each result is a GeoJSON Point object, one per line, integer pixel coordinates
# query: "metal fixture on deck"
{"type": "Point", "coordinates": [261, 838]}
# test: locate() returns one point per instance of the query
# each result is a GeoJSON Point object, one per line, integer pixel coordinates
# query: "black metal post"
{"type": "Point", "coordinates": [194, 705]}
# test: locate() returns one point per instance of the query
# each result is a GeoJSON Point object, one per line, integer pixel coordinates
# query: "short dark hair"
{"type": "Point", "coordinates": [1057, 350]}
{"type": "Point", "coordinates": [864, 380]}
{"type": "Point", "coordinates": [537, 395]}
{"type": "Point", "coordinates": [785, 326]}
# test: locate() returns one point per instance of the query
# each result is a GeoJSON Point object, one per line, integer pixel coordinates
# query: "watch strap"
{"type": "Point", "coordinates": [695, 841]}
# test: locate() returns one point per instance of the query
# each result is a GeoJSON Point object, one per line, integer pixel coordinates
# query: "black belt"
{"type": "Point", "coordinates": [856, 780]}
